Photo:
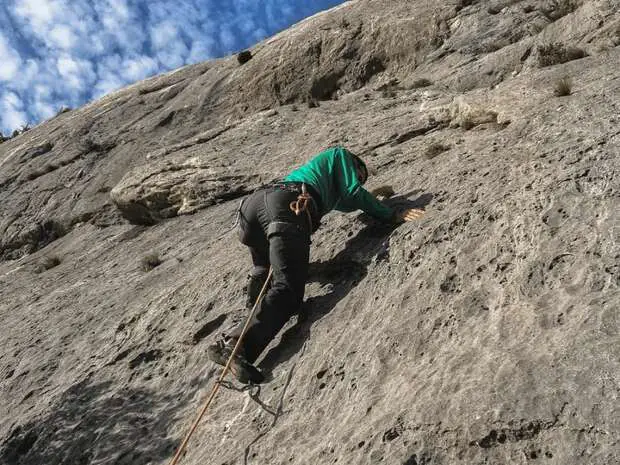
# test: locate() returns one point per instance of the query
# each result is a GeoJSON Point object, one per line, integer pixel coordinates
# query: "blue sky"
{"type": "Point", "coordinates": [56, 53]}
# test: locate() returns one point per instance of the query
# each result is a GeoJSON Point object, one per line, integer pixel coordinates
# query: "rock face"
{"type": "Point", "coordinates": [486, 333]}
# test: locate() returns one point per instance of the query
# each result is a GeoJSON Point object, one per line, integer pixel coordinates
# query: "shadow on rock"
{"type": "Point", "coordinates": [402, 201]}
{"type": "Point", "coordinates": [343, 272]}
{"type": "Point", "coordinates": [95, 424]}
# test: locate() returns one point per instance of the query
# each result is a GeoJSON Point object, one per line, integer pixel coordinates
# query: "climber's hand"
{"type": "Point", "coordinates": [383, 191]}
{"type": "Point", "coordinates": [409, 214]}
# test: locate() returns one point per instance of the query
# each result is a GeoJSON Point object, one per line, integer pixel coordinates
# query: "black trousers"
{"type": "Point", "coordinates": [276, 237]}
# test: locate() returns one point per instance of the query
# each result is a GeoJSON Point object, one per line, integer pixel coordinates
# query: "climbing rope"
{"type": "Point", "coordinates": [183, 445]}
{"type": "Point", "coordinates": [301, 204]}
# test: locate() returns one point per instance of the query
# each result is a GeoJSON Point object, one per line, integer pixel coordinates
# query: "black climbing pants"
{"type": "Point", "coordinates": [276, 237]}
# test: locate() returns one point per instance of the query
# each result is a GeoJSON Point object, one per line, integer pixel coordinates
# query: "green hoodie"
{"type": "Point", "coordinates": [332, 174]}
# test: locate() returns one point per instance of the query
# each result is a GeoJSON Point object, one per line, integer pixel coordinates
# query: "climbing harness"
{"type": "Point", "coordinates": [218, 383]}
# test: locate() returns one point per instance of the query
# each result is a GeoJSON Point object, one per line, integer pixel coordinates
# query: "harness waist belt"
{"type": "Point", "coordinates": [295, 186]}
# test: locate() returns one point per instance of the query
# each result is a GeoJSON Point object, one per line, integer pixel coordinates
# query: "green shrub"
{"type": "Point", "coordinates": [556, 53]}
{"type": "Point", "coordinates": [312, 102]}
{"type": "Point", "coordinates": [244, 56]}
{"type": "Point", "coordinates": [150, 261]}
{"type": "Point", "coordinates": [47, 263]}
{"type": "Point", "coordinates": [558, 9]}
{"type": "Point", "coordinates": [435, 149]}
{"type": "Point", "coordinates": [563, 87]}
{"type": "Point", "coordinates": [463, 3]}
{"type": "Point", "coordinates": [494, 9]}
{"type": "Point", "coordinates": [422, 82]}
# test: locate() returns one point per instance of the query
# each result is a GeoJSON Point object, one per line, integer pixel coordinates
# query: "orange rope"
{"type": "Point", "coordinates": [301, 204]}
{"type": "Point", "coordinates": [183, 445]}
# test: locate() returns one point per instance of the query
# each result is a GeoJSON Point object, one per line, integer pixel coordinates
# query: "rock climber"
{"type": "Point", "coordinates": [276, 223]}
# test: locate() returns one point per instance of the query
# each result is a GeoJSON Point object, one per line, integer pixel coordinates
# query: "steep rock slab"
{"type": "Point", "coordinates": [461, 45]}
{"type": "Point", "coordinates": [485, 333]}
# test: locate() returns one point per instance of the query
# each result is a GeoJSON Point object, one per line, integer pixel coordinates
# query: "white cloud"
{"type": "Point", "coordinates": [259, 34]}
{"type": "Point", "coordinates": [137, 68]}
{"type": "Point", "coordinates": [227, 39]}
{"type": "Point", "coordinates": [12, 100]}
{"type": "Point", "coordinates": [10, 61]}
{"type": "Point", "coordinates": [23, 79]}
{"type": "Point", "coordinates": [44, 109]}
{"type": "Point", "coordinates": [272, 16]}
{"type": "Point", "coordinates": [110, 63]}
{"type": "Point", "coordinates": [119, 8]}
{"type": "Point", "coordinates": [13, 115]}
{"type": "Point", "coordinates": [98, 45]}
{"type": "Point", "coordinates": [77, 74]}
{"type": "Point", "coordinates": [201, 49]}
{"type": "Point", "coordinates": [13, 119]}
{"type": "Point", "coordinates": [287, 11]}
{"type": "Point", "coordinates": [108, 82]}
{"type": "Point", "coordinates": [39, 13]}
{"type": "Point", "coordinates": [41, 92]}
{"type": "Point", "coordinates": [108, 75]}
{"type": "Point", "coordinates": [173, 56]}
{"type": "Point", "coordinates": [122, 27]}
{"type": "Point", "coordinates": [163, 34]}
{"type": "Point", "coordinates": [30, 70]}
{"type": "Point", "coordinates": [67, 52]}
{"type": "Point", "coordinates": [63, 36]}
{"type": "Point", "coordinates": [246, 25]}
{"type": "Point", "coordinates": [170, 49]}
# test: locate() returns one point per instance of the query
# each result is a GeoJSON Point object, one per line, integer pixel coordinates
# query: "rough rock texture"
{"type": "Point", "coordinates": [486, 333]}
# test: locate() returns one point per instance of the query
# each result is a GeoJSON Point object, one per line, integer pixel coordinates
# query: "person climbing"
{"type": "Point", "coordinates": [276, 223]}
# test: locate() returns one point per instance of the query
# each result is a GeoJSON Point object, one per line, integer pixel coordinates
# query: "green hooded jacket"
{"type": "Point", "coordinates": [333, 176]}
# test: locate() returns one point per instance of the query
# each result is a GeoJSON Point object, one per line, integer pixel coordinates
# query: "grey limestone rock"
{"type": "Point", "coordinates": [485, 333]}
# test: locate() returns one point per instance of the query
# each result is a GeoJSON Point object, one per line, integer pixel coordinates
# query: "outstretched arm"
{"type": "Point", "coordinates": [366, 201]}
{"type": "Point", "coordinates": [406, 214]}
{"type": "Point", "coordinates": [353, 196]}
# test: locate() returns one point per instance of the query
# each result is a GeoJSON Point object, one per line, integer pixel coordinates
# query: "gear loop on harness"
{"type": "Point", "coordinates": [301, 204]}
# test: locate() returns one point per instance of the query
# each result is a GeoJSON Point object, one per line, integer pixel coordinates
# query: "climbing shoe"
{"type": "Point", "coordinates": [243, 370]}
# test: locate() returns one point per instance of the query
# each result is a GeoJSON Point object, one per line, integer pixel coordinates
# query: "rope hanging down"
{"type": "Point", "coordinates": [183, 445]}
